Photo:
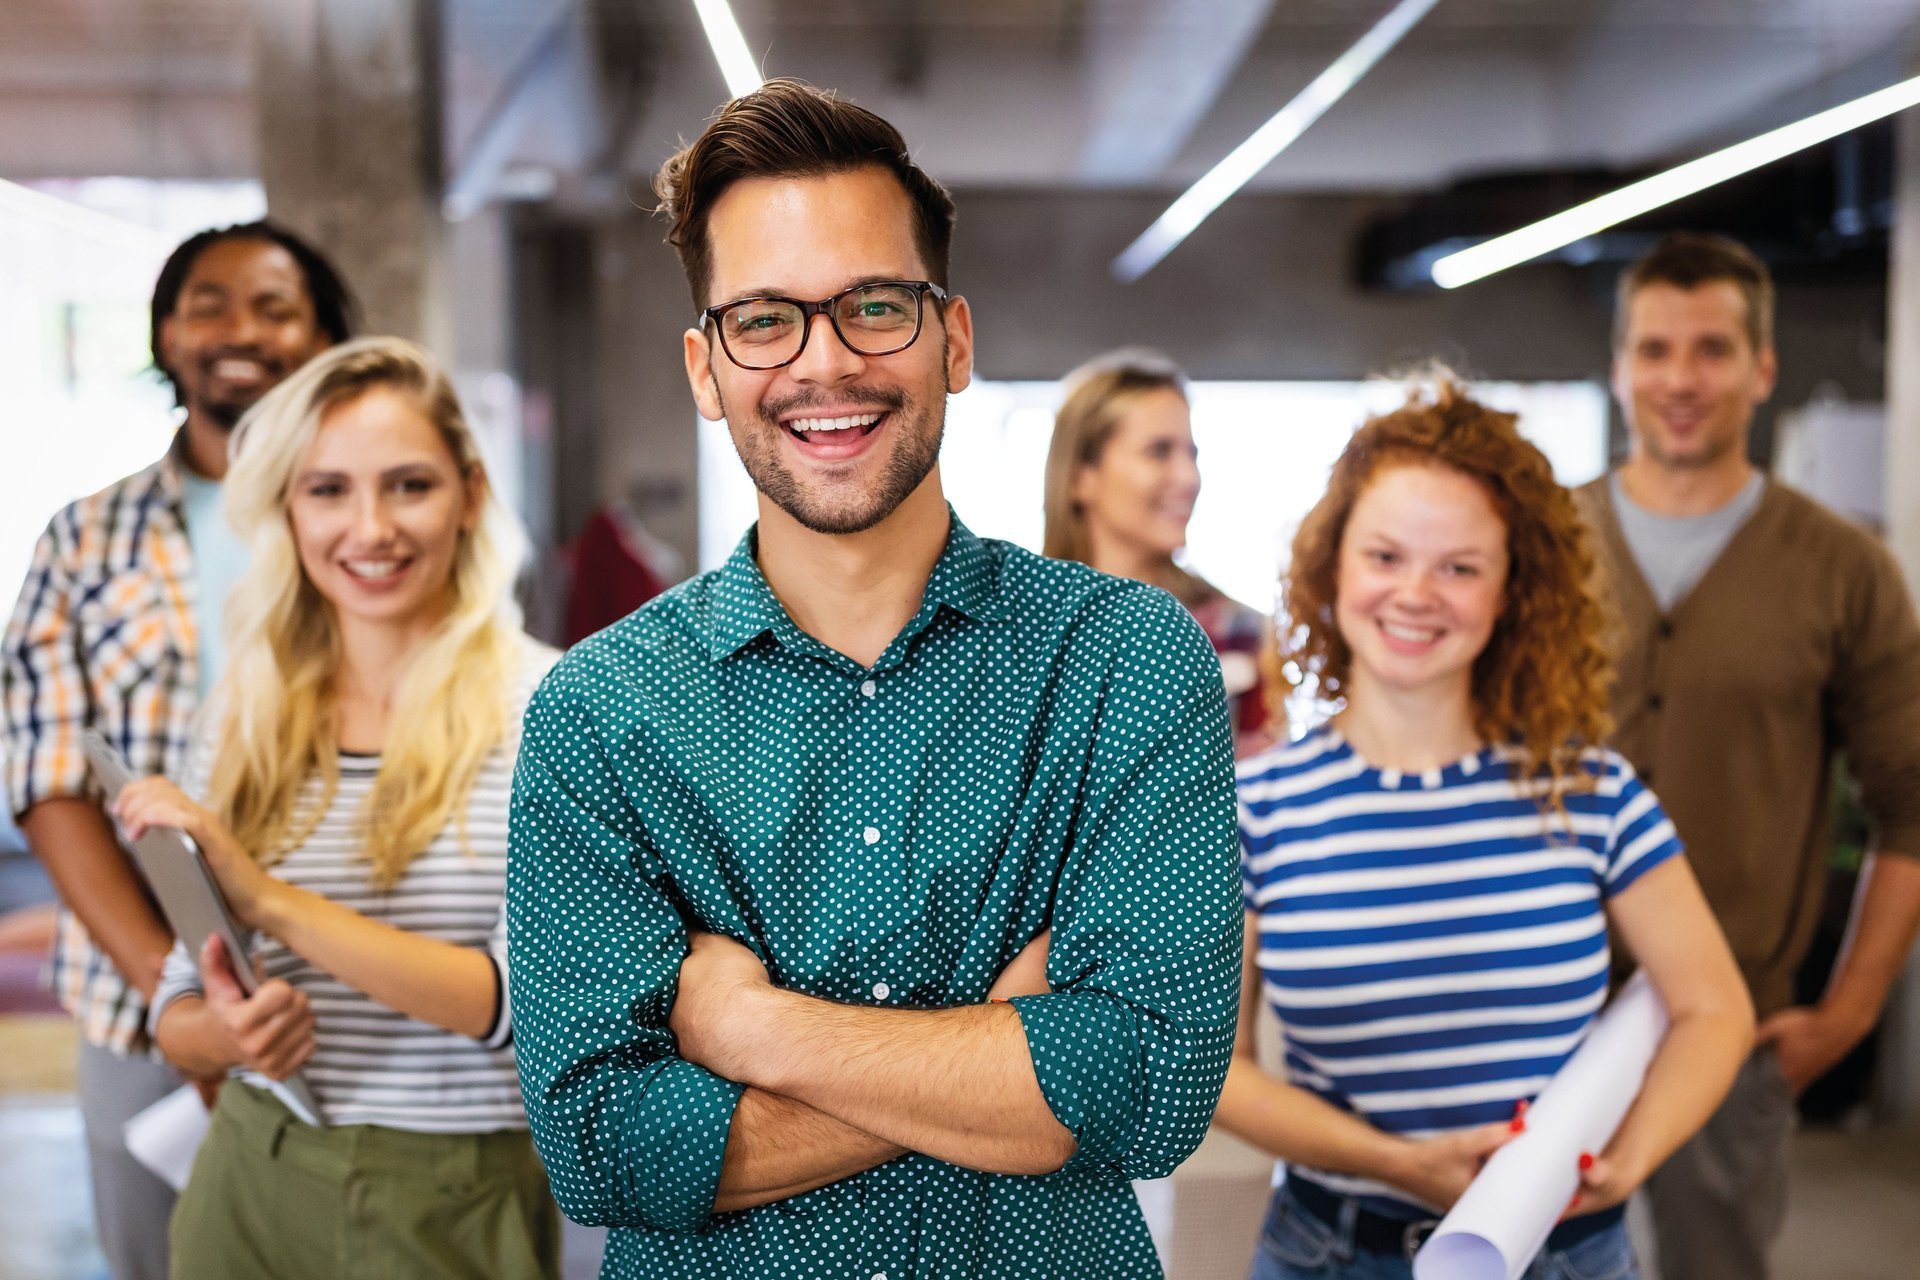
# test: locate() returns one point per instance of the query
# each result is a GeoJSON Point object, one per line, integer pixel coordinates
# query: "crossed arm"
{"type": "Point", "coordinates": [834, 1090]}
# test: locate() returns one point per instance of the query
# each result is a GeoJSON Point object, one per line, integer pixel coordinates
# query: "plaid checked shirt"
{"type": "Point", "coordinates": [104, 635]}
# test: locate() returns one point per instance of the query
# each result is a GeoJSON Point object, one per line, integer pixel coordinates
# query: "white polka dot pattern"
{"type": "Point", "coordinates": [1041, 746]}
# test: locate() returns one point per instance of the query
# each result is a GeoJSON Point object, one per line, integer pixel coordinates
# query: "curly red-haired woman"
{"type": "Point", "coordinates": [1435, 875]}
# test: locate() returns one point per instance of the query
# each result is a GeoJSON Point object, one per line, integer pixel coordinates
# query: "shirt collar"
{"type": "Point", "coordinates": [965, 579]}
{"type": "Point", "coordinates": [173, 468]}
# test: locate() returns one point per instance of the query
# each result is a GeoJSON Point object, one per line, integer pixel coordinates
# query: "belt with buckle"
{"type": "Point", "coordinates": [1378, 1232]}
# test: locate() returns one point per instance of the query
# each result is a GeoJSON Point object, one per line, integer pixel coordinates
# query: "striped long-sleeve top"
{"type": "Point", "coordinates": [373, 1065]}
{"type": "Point", "coordinates": [1435, 946]}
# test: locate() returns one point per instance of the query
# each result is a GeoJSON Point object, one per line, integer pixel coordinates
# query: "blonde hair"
{"type": "Point", "coordinates": [275, 709]}
{"type": "Point", "coordinates": [1099, 394]}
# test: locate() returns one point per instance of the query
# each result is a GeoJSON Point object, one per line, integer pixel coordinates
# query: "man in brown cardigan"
{"type": "Point", "coordinates": [1762, 634]}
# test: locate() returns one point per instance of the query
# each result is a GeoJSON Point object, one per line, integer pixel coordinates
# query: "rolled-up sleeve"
{"type": "Point", "coordinates": [43, 687]}
{"type": "Point", "coordinates": [1131, 1046]}
{"type": "Point", "coordinates": [632, 1135]}
{"type": "Point", "coordinates": [179, 976]}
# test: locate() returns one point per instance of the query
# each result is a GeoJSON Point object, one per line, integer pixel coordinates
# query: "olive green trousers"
{"type": "Point", "coordinates": [272, 1198]}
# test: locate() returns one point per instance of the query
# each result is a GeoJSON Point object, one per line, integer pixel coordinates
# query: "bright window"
{"type": "Point", "coordinates": [1265, 451]}
{"type": "Point", "coordinates": [80, 259]}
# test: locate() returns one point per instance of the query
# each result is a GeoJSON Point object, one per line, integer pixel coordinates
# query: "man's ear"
{"type": "Point", "coordinates": [1769, 373]}
{"type": "Point", "coordinates": [959, 322]}
{"type": "Point", "coordinates": [706, 392]}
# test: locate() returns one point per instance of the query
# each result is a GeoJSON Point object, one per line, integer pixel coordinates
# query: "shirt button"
{"type": "Point", "coordinates": [868, 688]}
{"type": "Point", "coordinates": [871, 835]}
{"type": "Point", "coordinates": [879, 1275]}
{"type": "Point", "coordinates": [881, 991]}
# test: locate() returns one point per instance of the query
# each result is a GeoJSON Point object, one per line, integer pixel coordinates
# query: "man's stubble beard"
{"type": "Point", "coordinates": [225, 415]}
{"type": "Point", "coordinates": [1708, 456]}
{"type": "Point", "coordinates": [920, 427]}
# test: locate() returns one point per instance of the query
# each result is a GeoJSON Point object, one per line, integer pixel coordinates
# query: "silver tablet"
{"type": "Point", "coordinates": [189, 895]}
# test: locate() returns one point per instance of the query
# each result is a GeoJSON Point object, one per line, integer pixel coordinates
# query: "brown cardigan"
{"type": "Point", "coordinates": [1799, 640]}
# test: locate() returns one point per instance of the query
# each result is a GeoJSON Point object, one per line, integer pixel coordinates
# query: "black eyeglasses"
{"type": "Point", "coordinates": [874, 319]}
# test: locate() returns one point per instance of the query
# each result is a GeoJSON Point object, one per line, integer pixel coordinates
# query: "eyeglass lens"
{"type": "Point", "coordinates": [873, 320]}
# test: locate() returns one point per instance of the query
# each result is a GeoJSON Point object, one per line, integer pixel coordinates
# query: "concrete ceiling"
{"type": "Point", "coordinates": [587, 96]}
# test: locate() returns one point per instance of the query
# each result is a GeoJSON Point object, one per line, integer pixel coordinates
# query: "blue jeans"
{"type": "Point", "coordinates": [1296, 1245]}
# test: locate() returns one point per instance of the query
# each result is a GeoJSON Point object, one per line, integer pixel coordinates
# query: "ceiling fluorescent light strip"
{"type": "Point", "coordinates": [1268, 141]}
{"type": "Point", "coordinates": [1596, 215]}
{"type": "Point", "coordinates": [729, 47]}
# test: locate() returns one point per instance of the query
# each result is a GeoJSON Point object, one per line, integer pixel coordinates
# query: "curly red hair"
{"type": "Point", "coordinates": [1540, 685]}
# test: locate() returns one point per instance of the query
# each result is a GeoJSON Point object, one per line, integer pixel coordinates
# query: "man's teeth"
{"type": "Point", "coordinates": [811, 425]}
{"type": "Point", "coordinates": [238, 368]}
{"type": "Point", "coordinates": [1418, 634]}
{"type": "Point", "coordinates": [374, 568]}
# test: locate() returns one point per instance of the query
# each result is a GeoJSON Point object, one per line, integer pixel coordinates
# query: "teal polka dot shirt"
{"type": "Point", "coordinates": [1041, 746]}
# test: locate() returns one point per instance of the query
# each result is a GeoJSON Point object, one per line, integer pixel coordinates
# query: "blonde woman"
{"type": "Point", "coordinates": [355, 785]}
{"type": "Point", "coordinates": [1122, 478]}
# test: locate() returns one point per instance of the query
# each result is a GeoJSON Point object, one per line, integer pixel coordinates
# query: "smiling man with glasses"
{"type": "Point", "coordinates": [874, 897]}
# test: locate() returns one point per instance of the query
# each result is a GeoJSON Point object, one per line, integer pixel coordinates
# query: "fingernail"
{"type": "Point", "coordinates": [996, 999]}
{"type": "Point", "coordinates": [1518, 1124]}
{"type": "Point", "coordinates": [1586, 1161]}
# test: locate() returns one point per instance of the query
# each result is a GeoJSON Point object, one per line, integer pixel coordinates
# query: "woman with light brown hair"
{"type": "Point", "coordinates": [1122, 478]}
{"type": "Point", "coordinates": [1434, 877]}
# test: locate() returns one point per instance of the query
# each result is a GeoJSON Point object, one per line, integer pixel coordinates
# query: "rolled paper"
{"type": "Point", "coordinates": [1508, 1211]}
{"type": "Point", "coordinates": [166, 1136]}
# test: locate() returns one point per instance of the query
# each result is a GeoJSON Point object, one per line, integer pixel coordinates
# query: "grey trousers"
{"type": "Point", "coordinates": [131, 1206]}
{"type": "Point", "coordinates": [1718, 1204]}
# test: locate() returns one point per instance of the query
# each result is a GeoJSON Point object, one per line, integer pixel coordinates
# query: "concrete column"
{"type": "Point", "coordinates": [1897, 1090]}
{"type": "Point", "coordinates": [348, 96]}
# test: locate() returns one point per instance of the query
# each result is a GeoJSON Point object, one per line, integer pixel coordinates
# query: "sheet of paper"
{"type": "Point", "coordinates": [166, 1135]}
{"type": "Point", "coordinates": [1506, 1214]}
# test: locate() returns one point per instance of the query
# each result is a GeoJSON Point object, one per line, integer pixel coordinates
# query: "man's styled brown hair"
{"type": "Point", "coordinates": [789, 129]}
{"type": "Point", "coordinates": [1690, 259]}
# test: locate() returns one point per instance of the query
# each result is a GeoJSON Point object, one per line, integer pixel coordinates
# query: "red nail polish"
{"type": "Point", "coordinates": [1518, 1124]}
{"type": "Point", "coordinates": [1586, 1161]}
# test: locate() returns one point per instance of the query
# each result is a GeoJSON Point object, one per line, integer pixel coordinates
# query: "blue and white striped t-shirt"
{"type": "Point", "coordinates": [1435, 947]}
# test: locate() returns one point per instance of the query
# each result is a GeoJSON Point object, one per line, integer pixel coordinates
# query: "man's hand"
{"type": "Point", "coordinates": [270, 1031]}
{"type": "Point", "coordinates": [1810, 1040]}
{"type": "Point", "coordinates": [718, 982]}
{"type": "Point", "coordinates": [1026, 973]}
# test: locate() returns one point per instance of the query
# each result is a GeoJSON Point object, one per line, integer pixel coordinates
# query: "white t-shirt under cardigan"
{"type": "Point", "coordinates": [1435, 947]}
{"type": "Point", "coordinates": [373, 1065]}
